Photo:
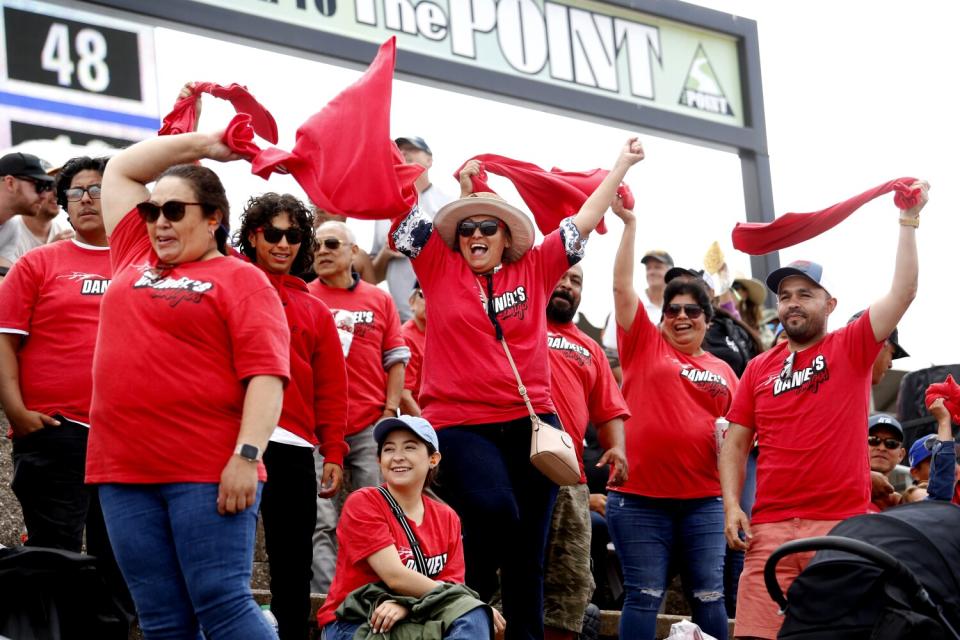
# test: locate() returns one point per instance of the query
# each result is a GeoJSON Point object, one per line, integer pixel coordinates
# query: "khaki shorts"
{"type": "Point", "coordinates": [567, 580]}
{"type": "Point", "coordinates": [757, 614]}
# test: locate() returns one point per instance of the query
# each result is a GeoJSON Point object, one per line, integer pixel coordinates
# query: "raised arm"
{"type": "Point", "coordinates": [128, 172]}
{"type": "Point", "coordinates": [943, 464]}
{"type": "Point", "coordinates": [591, 213]}
{"type": "Point", "coordinates": [625, 299]}
{"type": "Point", "coordinates": [886, 312]}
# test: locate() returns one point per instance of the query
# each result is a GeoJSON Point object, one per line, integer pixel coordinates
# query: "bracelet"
{"type": "Point", "coordinates": [910, 221]}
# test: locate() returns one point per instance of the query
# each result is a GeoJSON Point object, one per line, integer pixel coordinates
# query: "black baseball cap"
{"type": "Point", "coordinates": [894, 339]}
{"type": "Point", "coordinates": [414, 141]}
{"type": "Point", "coordinates": [659, 255]}
{"type": "Point", "coordinates": [24, 165]}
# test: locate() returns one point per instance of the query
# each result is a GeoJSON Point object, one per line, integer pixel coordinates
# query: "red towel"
{"type": "Point", "coordinates": [344, 157]}
{"type": "Point", "coordinates": [949, 390]}
{"type": "Point", "coordinates": [757, 238]}
{"type": "Point", "coordinates": [551, 195]}
{"type": "Point", "coordinates": [182, 117]}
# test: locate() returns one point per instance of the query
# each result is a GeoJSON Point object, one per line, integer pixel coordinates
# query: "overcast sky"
{"type": "Point", "coordinates": [856, 93]}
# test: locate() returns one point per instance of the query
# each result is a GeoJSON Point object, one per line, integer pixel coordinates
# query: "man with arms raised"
{"type": "Point", "coordinates": [797, 398]}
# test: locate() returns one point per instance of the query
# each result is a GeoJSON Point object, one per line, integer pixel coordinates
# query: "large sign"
{"type": "Point", "coordinates": [598, 48]}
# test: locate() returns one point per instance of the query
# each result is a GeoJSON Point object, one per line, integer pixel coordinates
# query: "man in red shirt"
{"type": "Point", "coordinates": [584, 390]}
{"type": "Point", "coordinates": [794, 398]}
{"type": "Point", "coordinates": [276, 234]}
{"type": "Point", "coordinates": [375, 355]}
{"type": "Point", "coordinates": [414, 332]}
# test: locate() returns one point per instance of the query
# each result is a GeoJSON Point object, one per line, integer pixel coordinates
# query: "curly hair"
{"type": "Point", "coordinates": [261, 210]}
{"type": "Point", "coordinates": [210, 194]}
{"type": "Point", "coordinates": [71, 168]}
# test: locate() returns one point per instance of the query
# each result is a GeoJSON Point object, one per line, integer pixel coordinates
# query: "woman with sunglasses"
{"type": "Point", "coordinates": [276, 234]}
{"type": "Point", "coordinates": [477, 264]}
{"type": "Point", "coordinates": [191, 359]}
{"type": "Point", "coordinates": [670, 506]}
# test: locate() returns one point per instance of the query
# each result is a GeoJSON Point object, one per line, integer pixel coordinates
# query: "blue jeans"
{"type": "Point", "coordinates": [505, 506]}
{"type": "Point", "coordinates": [473, 625]}
{"type": "Point", "coordinates": [188, 567]}
{"type": "Point", "coordinates": [645, 531]}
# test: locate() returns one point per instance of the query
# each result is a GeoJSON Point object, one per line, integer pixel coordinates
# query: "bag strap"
{"type": "Point", "coordinates": [418, 557]}
{"type": "Point", "coordinates": [488, 307]}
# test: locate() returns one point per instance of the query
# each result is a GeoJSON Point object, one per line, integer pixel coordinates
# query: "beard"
{"type": "Point", "coordinates": [810, 329]}
{"type": "Point", "coordinates": [562, 314]}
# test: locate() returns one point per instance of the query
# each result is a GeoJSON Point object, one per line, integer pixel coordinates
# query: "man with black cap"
{"type": "Point", "coordinates": [890, 351]}
{"type": "Point", "coordinates": [23, 183]}
{"type": "Point", "coordinates": [795, 399]}
{"type": "Point", "coordinates": [392, 265]}
{"type": "Point", "coordinates": [885, 444]}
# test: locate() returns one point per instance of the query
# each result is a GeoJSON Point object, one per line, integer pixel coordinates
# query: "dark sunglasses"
{"type": "Point", "coordinates": [75, 194]}
{"type": "Point", "coordinates": [331, 244]}
{"type": "Point", "coordinates": [487, 227]}
{"type": "Point", "coordinates": [272, 235]}
{"type": "Point", "coordinates": [889, 443]}
{"type": "Point", "coordinates": [42, 186]}
{"type": "Point", "coordinates": [173, 210]}
{"type": "Point", "coordinates": [693, 311]}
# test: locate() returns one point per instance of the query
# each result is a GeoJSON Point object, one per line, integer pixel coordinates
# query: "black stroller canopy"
{"type": "Point", "coordinates": [844, 596]}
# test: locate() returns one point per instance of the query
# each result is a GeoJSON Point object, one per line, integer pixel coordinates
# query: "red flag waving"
{"type": "Point", "coordinates": [344, 157]}
{"type": "Point", "coordinates": [551, 195]}
{"type": "Point", "coordinates": [182, 118]}
{"type": "Point", "coordinates": [757, 238]}
{"type": "Point", "coordinates": [949, 390]}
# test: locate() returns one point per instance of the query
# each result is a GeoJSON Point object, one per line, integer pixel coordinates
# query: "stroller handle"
{"type": "Point", "coordinates": [849, 545]}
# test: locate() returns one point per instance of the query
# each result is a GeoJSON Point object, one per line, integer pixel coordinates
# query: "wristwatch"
{"type": "Point", "coordinates": [248, 452]}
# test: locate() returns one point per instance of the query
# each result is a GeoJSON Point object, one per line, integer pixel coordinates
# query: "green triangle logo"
{"type": "Point", "coordinates": [702, 90]}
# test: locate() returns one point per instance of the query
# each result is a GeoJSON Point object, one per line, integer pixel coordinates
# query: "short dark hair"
{"type": "Point", "coordinates": [210, 194]}
{"type": "Point", "coordinates": [696, 288]}
{"type": "Point", "coordinates": [71, 168]}
{"type": "Point", "coordinates": [260, 210]}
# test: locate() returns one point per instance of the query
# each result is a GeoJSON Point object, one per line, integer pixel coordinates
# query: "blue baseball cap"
{"type": "Point", "coordinates": [920, 450]}
{"type": "Point", "coordinates": [885, 420]}
{"type": "Point", "coordinates": [420, 428]}
{"type": "Point", "coordinates": [810, 270]}
{"type": "Point", "coordinates": [414, 141]}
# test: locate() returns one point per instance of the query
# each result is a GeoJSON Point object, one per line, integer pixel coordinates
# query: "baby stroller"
{"type": "Point", "coordinates": [854, 588]}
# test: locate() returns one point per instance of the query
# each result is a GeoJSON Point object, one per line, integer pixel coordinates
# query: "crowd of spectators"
{"type": "Point", "coordinates": [164, 385]}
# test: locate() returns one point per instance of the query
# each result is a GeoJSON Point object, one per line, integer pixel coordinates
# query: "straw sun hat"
{"type": "Point", "coordinates": [485, 203]}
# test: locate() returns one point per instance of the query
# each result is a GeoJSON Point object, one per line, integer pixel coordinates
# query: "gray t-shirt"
{"type": "Point", "coordinates": [400, 275]}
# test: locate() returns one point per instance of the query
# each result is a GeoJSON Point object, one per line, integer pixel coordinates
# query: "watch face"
{"type": "Point", "coordinates": [249, 452]}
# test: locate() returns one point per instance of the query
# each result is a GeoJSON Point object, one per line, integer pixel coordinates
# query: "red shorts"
{"type": "Point", "coordinates": [758, 615]}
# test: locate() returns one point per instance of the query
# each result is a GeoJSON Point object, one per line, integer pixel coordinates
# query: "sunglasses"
{"type": "Point", "coordinates": [173, 210]}
{"type": "Point", "coordinates": [75, 194]}
{"type": "Point", "coordinates": [273, 235]}
{"type": "Point", "coordinates": [889, 443]}
{"type": "Point", "coordinates": [692, 311]}
{"type": "Point", "coordinates": [487, 227]}
{"type": "Point", "coordinates": [331, 244]}
{"type": "Point", "coordinates": [42, 186]}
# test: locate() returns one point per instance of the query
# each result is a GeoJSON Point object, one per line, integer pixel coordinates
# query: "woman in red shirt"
{"type": "Point", "coordinates": [191, 359]}
{"type": "Point", "coordinates": [375, 547]}
{"type": "Point", "coordinates": [670, 505]}
{"type": "Point", "coordinates": [477, 264]}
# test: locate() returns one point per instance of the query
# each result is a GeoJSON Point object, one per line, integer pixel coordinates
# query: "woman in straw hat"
{"type": "Point", "coordinates": [477, 263]}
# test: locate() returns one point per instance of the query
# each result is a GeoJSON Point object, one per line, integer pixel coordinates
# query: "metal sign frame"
{"type": "Point", "coordinates": [749, 141]}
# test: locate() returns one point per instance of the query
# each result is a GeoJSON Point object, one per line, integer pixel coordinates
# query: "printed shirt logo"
{"type": "Point", "coordinates": [173, 290]}
{"type": "Point", "coordinates": [91, 284]}
{"type": "Point", "coordinates": [712, 383]}
{"type": "Point", "coordinates": [354, 323]}
{"type": "Point", "coordinates": [435, 564]}
{"type": "Point", "coordinates": [701, 90]}
{"type": "Point", "coordinates": [570, 350]}
{"type": "Point", "coordinates": [511, 304]}
{"type": "Point", "coordinates": [802, 380]}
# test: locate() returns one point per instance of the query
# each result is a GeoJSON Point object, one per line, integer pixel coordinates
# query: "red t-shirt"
{"type": "Point", "coordinates": [52, 297]}
{"type": "Point", "coordinates": [674, 399]}
{"type": "Point", "coordinates": [367, 525]}
{"type": "Point", "coordinates": [173, 352]}
{"type": "Point", "coordinates": [814, 421]}
{"type": "Point", "coordinates": [416, 340]}
{"type": "Point", "coordinates": [315, 401]}
{"type": "Point", "coordinates": [376, 331]}
{"type": "Point", "coordinates": [466, 376]}
{"type": "Point", "coordinates": [584, 388]}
